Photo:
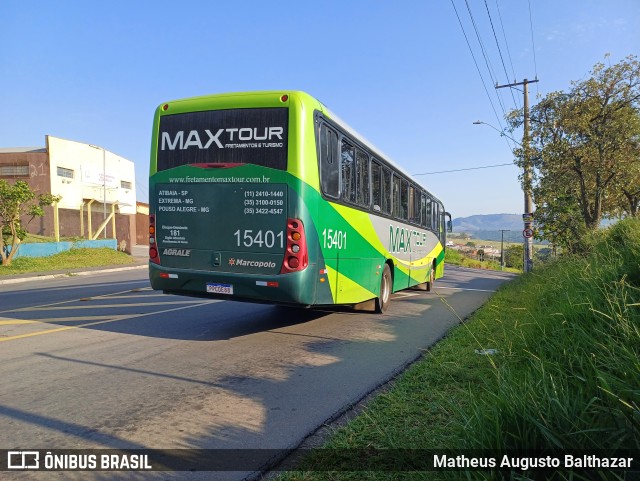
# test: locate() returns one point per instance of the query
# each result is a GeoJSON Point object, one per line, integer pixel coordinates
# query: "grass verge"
{"type": "Point", "coordinates": [71, 259]}
{"type": "Point", "coordinates": [565, 374]}
{"type": "Point", "coordinates": [454, 257]}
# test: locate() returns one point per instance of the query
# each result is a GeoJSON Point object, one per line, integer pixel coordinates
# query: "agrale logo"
{"type": "Point", "coordinates": [177, 252]}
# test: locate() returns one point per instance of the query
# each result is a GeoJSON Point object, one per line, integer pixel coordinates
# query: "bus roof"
{"type": "Point", "coordinates": [363, 140]}
{"type": "Point", "coordinates": [315, 104]}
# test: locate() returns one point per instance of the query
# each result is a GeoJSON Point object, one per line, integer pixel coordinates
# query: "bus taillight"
{"type": "Point", "coordinates": [295, 256]}
{"type": "Point", "coordinates": [153, 248]}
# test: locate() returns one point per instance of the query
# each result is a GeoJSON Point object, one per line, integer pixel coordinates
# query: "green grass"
{"type": "Point", "coordinates": [38, 239]}
{"type": "Point", "coordinates": [71, 259]}
{"type": "Point", "coordinates": [455, 258]}
{"type": "Point", "coordinates": [566, 374]}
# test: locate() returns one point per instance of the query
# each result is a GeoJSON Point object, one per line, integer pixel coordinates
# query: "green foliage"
{"type": "Point", "coordinates": [514, 256]}
{"type": "Point", "coordinates": [569, 377]}
{"type": "Point", "coordinates": [565, 373]}
{"type": "Point", "coordinates": [18, 201]}
{"type": "Point", "coordinates": [71, 259]}
{"type": "Point", "coordinates": [584, 146]}
{"type": "Point", "coordinates": [543, 255]}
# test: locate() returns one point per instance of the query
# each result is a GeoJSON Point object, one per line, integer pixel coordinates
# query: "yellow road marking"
{"type": "Point", "coordinates": [89, 324]}
{"type": "Point", "coordinates": [72, 300]}
{"type": "Point", "coordinates": [98, 306]}
{"type": "Point", "coordinates": [127, 296]}
{"type": "Point", "coordinates": [9, 321]}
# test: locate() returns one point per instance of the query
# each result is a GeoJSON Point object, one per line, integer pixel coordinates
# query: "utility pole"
{"type": "Point", "coordinates": [527, 217]}
{"type": "Point", "coordinates": [502, 231]}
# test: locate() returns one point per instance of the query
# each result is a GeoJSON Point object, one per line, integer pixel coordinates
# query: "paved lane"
{"type": "Point", "coordinates": [109, 363]}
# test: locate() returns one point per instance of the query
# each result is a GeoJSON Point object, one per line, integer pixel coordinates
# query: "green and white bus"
{"type": "Point", "coordinates": [269, 197]}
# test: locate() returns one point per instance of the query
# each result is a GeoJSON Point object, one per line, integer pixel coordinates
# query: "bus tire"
{"type": "Point", "coordinates": [386, 286]}
{"type": "Point", "coordinates": [432, 279]}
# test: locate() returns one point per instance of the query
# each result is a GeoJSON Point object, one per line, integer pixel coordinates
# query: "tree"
{"type": "Point", "coordinates": [584, 146]}
{"type": "Point", "coordinates": [627, 192]}
{"type": "Point", "coordinates": [18, 201]}
{"type": "Point", "coordinates": [514, 256]}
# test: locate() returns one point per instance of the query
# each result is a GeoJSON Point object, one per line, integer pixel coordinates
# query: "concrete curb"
{"type": "Point", "coordinates": [17, 280]}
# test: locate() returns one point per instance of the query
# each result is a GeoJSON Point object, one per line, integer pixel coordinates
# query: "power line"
{"type": "Point", "coordinates": [141, 189]}
{"type": "Point", "coordinates": [468, 168]}
{"type": "Point", "coordinates": [478, 68]}
{"type": "Point", "coordinates": [487, 62]}
{"type": "Point", "coordinates": [506, 42]}
{"type": "Point", "coordinates": [513, 97]}
{"type": "Point", "coordinates": [535, 62]}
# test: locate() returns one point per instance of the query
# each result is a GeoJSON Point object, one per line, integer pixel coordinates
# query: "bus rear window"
{"type": "Point", "coordinates": [250, 136]}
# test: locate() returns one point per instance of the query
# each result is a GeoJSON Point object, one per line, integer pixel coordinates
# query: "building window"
{"type": "Point", "coordinates": [14, 171]}
{"type": "Point", "coordinates": [66, 173]}
{"type": "Point", "coordinates": [126, 185]}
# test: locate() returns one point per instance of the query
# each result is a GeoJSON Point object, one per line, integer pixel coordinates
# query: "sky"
{"type": "Point", "coordinates": [400, 73]}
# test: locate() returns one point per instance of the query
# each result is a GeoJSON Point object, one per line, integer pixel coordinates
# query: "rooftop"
{"type": "Point", "coordinates": [16, 150]}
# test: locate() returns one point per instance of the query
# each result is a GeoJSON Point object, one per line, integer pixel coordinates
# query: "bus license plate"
{"type": "Point", "coordinates": [214, 288]}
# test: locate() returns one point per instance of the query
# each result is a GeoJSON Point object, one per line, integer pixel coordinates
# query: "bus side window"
{"type": "Point", "coordinates": [347, 160]}
{"type": "Point", "coordinates": [362, 185]}
{"type": "Point", "coordinates": [329, 167]}
{"type": "Point", "coordinates": [385, 191]}
{"type": "Point", "coordinates": [397, 207]}
{"type": "Point", "coordinates": [423, 209]}
{"type": "Point", "coordinates": [414, 205]}
{"type": "Point", "coordinates": [434, 217]}
{"type": "Point", "coordinates": [404, 199]}
{"type": "Point", "coordinates": [375, 186]}
{"type": "Point", "coordinates": [427, 219]}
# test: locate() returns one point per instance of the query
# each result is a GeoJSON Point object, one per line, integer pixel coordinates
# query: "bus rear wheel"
{"type": "Point", "coordinates": [382, 301]}
{"type": "Point", "coordinates": [432, 279]}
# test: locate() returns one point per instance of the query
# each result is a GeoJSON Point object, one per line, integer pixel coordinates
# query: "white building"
{"type": "Point", "coordinates": [89, 179]}
{"type": "Point", "coordinates": [82, 172]}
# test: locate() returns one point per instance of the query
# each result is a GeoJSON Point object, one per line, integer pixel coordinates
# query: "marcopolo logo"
{"type": "Point", "coordinates": [177, 252]}
{"type": "Point", "coordinates": [244, 263]}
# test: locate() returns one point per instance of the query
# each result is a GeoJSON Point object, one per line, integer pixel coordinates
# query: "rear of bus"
{"type": "Point", "coordinates": [227, 187]}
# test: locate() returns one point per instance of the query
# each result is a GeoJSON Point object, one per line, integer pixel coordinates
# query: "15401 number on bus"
{"type": "Point", "coordinates": [260, 238]}
{"type": "Point", "coordinates": [334, 239]}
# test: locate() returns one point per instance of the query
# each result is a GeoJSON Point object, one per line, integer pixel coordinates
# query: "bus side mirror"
{"type": "Point", "coordinates": [449, 222]}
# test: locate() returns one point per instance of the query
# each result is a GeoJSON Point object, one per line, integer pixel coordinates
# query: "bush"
{"type": "Point", "coordinates": [569, 375]}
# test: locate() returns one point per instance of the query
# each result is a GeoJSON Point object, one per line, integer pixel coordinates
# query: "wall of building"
{"type": "Point", "coordinates": [46, 249]}
{"type": "Point", "coordinates": [69, 222]}
{"type": "Point", "coordinates": [142, 223]}
{"type": "Point", "coordinates": [80, 171]}
{"type": "Point", "coordinates": [38, 176]}
{"type": "Point", "coordinates": [76, 171]}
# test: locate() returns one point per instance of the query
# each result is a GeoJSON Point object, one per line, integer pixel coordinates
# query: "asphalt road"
{"type": "Point", "coordinates": [105, 362]}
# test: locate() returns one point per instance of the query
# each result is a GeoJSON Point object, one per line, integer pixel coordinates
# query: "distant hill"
{"type": "Point", "coordinates": [488, 227]}
{"type": "Point", "coordinates": [475, 223]}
